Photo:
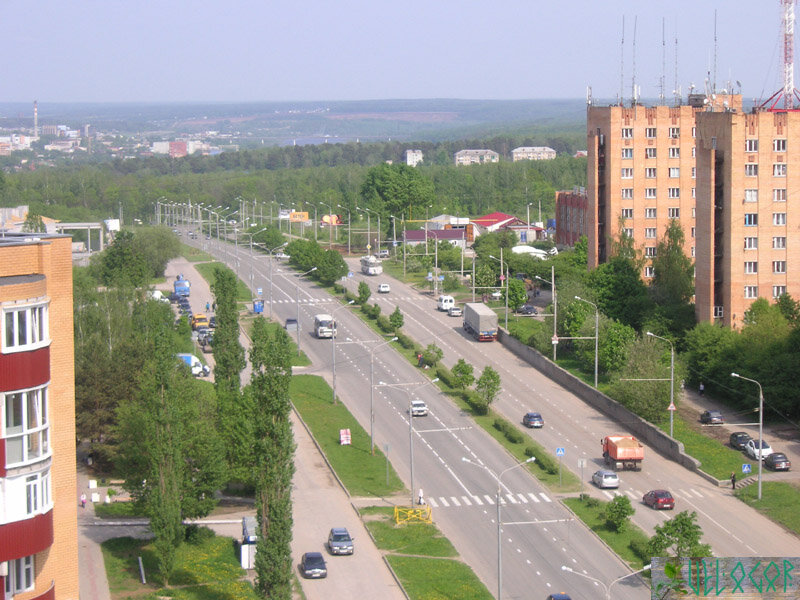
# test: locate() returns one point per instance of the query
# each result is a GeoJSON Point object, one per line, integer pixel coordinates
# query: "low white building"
{"type": "Point", "coordinates": [413, 157]}
{"type": "Point", "coordinates": [476, 157]}
{"type": "Point", "coordinates": [533, 153]}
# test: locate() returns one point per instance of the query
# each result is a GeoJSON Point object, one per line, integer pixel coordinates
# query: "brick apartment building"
{"type": "Point", "coordinates": [38, 512]}
{"type": "Point", "coordinates": [747, 209]}
{"type": "Point", "coordinates": [571, 216]}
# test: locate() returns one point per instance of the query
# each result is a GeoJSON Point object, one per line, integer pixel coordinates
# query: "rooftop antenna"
{"type": "Point", "coordinates": [663, 62]}
{"type": "Point", "coordinates": [677, 87]}
{"type": "Point", "coordinates": [788, 92]}
{"type": "Point", "coordinates": [622, 61]}
{"type": "Point", "coordinates": [714, 78]}
{"type": "Point", "coordinates": [633, 75]}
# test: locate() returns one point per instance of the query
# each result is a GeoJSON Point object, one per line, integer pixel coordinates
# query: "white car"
{"type": "Point", "coordinates": [751, 448]}
{"type": "Point", "coordinates": [383, 288]}
{"type": "Point", "coordinates": [605, 479]}
{"type": "Point", "coordinates": [496, 295]}
{"type": "Point", "coordinates": [419, 408]}
{"type": "Point", "coordinates": [455, 311]}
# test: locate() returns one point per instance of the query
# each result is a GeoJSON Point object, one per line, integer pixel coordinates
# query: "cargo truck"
{"type": "Point", "coordinates": [480, 321]}
{"type": "Point", "coordinates": [622, 452]}
{"type": "Point", "coordinates": [182, 286]}
{"type": "Point", "coordinates": [198, 369]}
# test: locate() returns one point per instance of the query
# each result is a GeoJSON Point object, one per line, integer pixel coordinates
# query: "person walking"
{"type": "Point", "coordinates": [420, 498]}
{"type": "Point", "coordinates": [208, 306]}
{"type": "Point", "coordinates": [83, 500]}
{"type": "Point", "coordinates": [702, 388]}
{"type": "Point", "coordinates": [733, 480]}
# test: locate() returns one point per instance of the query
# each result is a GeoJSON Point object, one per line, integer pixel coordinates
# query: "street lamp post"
{"type": "Point", "coordinates": [348, 226]}
{"type": "Point", "coordinates": [333, 345]}
{"type": "Point", "coordinates": [498, 502]}
{"type": "Point", "coordinates": [501, 273]}
{"type": "Point", "coordinates": [607, 588]}
{"type": "Point", "coordinates": [369, 225]}
{"type": "Point", "coordinates": [597, 338]}
{"type": "Point", "coordinates": [671, 379]}
{"type": "Point", "coordinates": [297, 299]}
{"type": "Point", "coordinates": [251, 252]}
{"type": "Point", "coordinates": [378, 243]}
{"type": "Point", "coordinates": [760, 426]}
{"type": "Point", "coordinates": [552, 283]}
{"type": "Point", "coordinates": [271, 260]}
{"type": "Point", "coordinates": [372, 395]}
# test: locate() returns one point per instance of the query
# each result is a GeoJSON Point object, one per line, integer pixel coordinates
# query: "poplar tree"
{"type": "Point", "coordinates": [273, 443]}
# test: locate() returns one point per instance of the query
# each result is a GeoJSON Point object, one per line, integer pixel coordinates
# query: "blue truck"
{"type": "Point", "coordinates": [198, 368]}
{"type": "Point", "coordinates": [182, 286]}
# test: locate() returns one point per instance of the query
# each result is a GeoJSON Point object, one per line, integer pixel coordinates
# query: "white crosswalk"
{"type": "Point", "coordinates": [634, 494]}
{"type": "Point", "coordinates": [465, 501]}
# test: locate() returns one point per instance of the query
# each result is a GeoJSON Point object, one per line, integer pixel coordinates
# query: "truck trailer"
{"type": "Point", "coordinates": [182, 286]}
{"type": "Point", "coordinates": [480, 321]}
{"type": "Point", "coordinates": [622, 452]}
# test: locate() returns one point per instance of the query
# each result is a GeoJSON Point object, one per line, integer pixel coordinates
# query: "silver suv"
{"type": "Point", "coordinates": [419, 408]}
{"type": "Point", "coordinates": [339, 541]}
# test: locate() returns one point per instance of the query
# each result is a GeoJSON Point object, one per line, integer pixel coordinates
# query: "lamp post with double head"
{"type": "Point", "coordinates": [596, 336]}
{"type": "Point", "coordinates": [271, 257]}
{"type": "Point", "coordinates": [606, 587]}
{"type": "Point", "coordinates": [552, 284]}
{"type": "Point", "coordinates": [348, 226]}
{"type": "Point", "coordinates": [372, 394]}
{"type": "Point", "coordinates": [671, 379]}
{"type": "Point", "coordinates": [498, 501]}
{"type": "Point", "coordinates": [500, 260]}
{"type": "Point", "coordinates": [297, 301]}
{"type": "Point", "coordinates": [760, 426]}
{"type": "Point", "coordinates": [333, 344]}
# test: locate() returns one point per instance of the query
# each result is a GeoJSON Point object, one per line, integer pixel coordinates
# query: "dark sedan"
{"type": "Point", "coordinates": [313, 566]}
{"type": "Point", "coordinates": [527, 309]}
{"type": "Point", "coordinates": [778, 461]}
{"type": "Point", "coordinates": [659, 499]}
{"type": "Point", "coordinates": [712, 417]}
{"type": "Point", "coordinates": [533, 419]}
{"type": "Point", "coordinates": [739, 439]}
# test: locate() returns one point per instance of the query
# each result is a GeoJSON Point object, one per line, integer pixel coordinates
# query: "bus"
{"type": "Point", "coordinates": [371, 265]}
{"type": "Point", "coordinates": [324, 326]}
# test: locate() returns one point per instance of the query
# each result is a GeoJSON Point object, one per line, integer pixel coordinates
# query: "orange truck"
{"type": "Point", "coordinates": [622, 452]}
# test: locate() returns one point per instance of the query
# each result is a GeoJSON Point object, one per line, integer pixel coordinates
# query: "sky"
{"type": "Point", "coordinates": [263, 50]}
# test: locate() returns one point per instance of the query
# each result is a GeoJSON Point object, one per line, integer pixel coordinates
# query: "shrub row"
{"type": "Point", "coordinates": [640, 548]}
{"type": "Point", "coordinates": [543, 460]}
{"type": "Point", "coordinates": [405, 341]}
{"type": "Point", "coordinates": [384, 325]}
{"type": "Point", "coordinates": [511, 433]}
{"type": "Point", "coordinates": [445, 375]}
{"type": "Point", "coordinates": [476, 402]}
{"type": "Point", "coordinates": [373, 311]}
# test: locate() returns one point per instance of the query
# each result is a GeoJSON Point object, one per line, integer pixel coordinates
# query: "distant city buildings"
{"type": "Point", "coordinates": [476, 157]}
{"type": "Point", "coordinates": [413, 157]}
{"type": "Point", "coordinates": [533, 153]}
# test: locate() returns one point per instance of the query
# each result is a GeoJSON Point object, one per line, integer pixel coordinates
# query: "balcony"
{"type": "Point", "coordinates": [26, 537]}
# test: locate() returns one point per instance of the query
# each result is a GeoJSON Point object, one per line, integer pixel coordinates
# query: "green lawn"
{"type": "Point", "coordinates": [206, 270]}
{"type": "Point", "coordinates": [779, 501]}
{"type": "Point", "coordinates": [715, 459]}
{"type": "Point", "coordinates": [619, 542]}
{"type": "Point", "coordinates": [361, 473]}
{"type": "Point", "coordinates": [298, 360]}
{"type": "Point", "coordinates": [193, 254]}
{"type": "Point", "coordinates": [116, 510]}
{"type": "Point", "coordinates": [406, 538]}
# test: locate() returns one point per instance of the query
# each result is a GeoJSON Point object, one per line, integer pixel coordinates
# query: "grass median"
{"type": "Point", "coordinates": [362, 473]}
{"type": "Point", "coordinates": [779, 501]}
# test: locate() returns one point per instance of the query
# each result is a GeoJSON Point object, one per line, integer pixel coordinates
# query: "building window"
{"type": "Point", "coordinates": [650, 232]}
{"type": "Point", "coordinates": [779, 218]}
{"type": "Point", "coordinates": [779, 145]}
{"type": "Point", "coordinates": [694, 210]}
{"type": "Point", "coordinates": [694, 150]}
{"type": "Point", "coordinates": [627, 213]}
{"type": "Point", "coordinates": [626, 173]}
{"type": "Point", "coordinates": [751, 291]}
{"type": "Point", "coordinates": [694, 172]}
{"type": "Point", "coordinates": [674, 152]}
{"type": "Point", "coordinates": [692, 253]}
{"type": "Point", "coordinates": [674, 172]}
{"type": "Point", "coordinates": [674, 132]}
{"type": "Point", "coordinates": [778, 291]}
{"type": "Point", "coordinates": [751, 170]}
{"type": "Point", "coordinates": [628, 231]}
{"type": "Point", "coordinates": [694, 134]}
{"type": "Point", "coordinates": [779, 266]}
{"type": "Point", "coordinates": [751, 267]}
{"type": "Point", "coordinates": [779, 243]}
{"type": "Point", "coordinates": [25, 328]}
{"type": "Point", "coordinates": [648, 271]}
{"type": "Point", "coordinates": [751, 145]}
{"type": "Point", "coordinates": [26, 427]}
{"type": "Point", "coordinates": [650, 132]}
{"type": "Point", "coordinates": [693, 192]}
{"type": "Point", "coordinates": [627, 153]}
{"type": "Point", "coordinates": [674, 213]}
{"type": "Point", "coordinates": [779, 170]}
{"type": "Point", "coordinates": [626, 193]}
{"type": "Point", "coordinates": [693, 232]}
{"type": "Point", "coordinates": [751, 243]}
{"type": "Point", "coordinates": [649, 213]}
{"type": "Point", "coordinates": [719, 312]}
{"type": "Point", "coordinates": [751, 195]}
{"type": "Point", "coordinates": [779, 195]}
{"type": "Point", "coordinates": [627, 133]}
{"type": "Point", "coordinates": [649, 152]}
{"type": "Point", "coordinates": [650, 251]}
{"type": "Point", "coordinates": [20, 576]}
{"type": "Point", "coordinates": [674, 192]}
{"type": "Point", "coordinates": [650, 172]}
{"type": "Point", "coordinates": [650, 193]}
{"type": "Point", "coordinates": [750, 219]}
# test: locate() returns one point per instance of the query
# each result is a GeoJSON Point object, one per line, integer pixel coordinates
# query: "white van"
{"type": "Point", "coordinates": [445, 303]}
{"type": "Point", "coordinates": [324, 326]}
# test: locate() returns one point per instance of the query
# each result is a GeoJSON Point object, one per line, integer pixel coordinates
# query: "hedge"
{"type": "Point", "coordinates": [543, 459]}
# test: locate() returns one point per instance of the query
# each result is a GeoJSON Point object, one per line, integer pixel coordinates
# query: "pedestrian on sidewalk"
{"type": "Point", "coordinates": [420, 498]}
{"type": "Point", "coordinates": [733, 480]}
{"type": "Point", "coordinates": [83, 500]}
{"type": "Point", "coordinates": [702, 388]}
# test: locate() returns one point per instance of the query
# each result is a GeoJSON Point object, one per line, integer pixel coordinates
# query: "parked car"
{"type": "Point", "coordinates": [339, 541]}
{"type": "Point", "coordinates": [384, 288]}
{"type": "Point", "coordinates": [559, 596]}
{"type": "Point", "coordinates": [312, 565]}
{"type": "Point", "coordinates": [777, 461]}
{"type": "Point", "coordinates": [382, 253]}
{"type": "Point", "coordinates": [533, 420]}
{"type": "Point", "coordinates": [528, 309]}
{"type": "Point", "coordinates": [712, 417]}
{"type": "Point", "coordinates": [605, 479]}
{"type": "Point", "coordinates": [291, 325]}
{"type": "Point", "coordinates": [496, 295]}
{"type": "Point", "coordinates": [659, 499]}
{"type": "Point", "coordinates": [753, 451]}
{"type": "Point", "coordinates": [739, 439]}
{"type": "Point", "coordinates": [419, 408]}
{"type": "Point", "coordinates": [173, 297]}
{"type": "Point", "coordinates": [212, 322]}
{"type": "Point", "coordinates": [455, 311]}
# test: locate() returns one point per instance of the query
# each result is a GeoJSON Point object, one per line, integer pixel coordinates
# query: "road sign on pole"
{"type": "Point", "coordinates": [555, 340]}
{"type": "Point", "coordinates": [559, 451]}
{"type": "Point", "coordinates": [746, 468]}
{"type": "Point", "coordinates": [671, 406]}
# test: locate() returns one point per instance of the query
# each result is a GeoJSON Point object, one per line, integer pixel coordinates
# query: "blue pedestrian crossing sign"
{"type": "Point", "coordinates": [747, 468]}
{"type": "Point", "coordinates": [559, 451]}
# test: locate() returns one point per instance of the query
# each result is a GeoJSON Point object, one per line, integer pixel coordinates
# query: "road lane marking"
{"type": "Point", "coordinates": [533, 497]}
{"type": "Point", "coordinates": [455, 501]}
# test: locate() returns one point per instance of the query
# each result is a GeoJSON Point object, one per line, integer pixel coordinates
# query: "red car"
{"type": "Point", "coordinates": [659, 499]}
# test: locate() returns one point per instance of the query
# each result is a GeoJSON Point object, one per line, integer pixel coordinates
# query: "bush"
{"type": "Point", "coordinates": [196, 535]}
{"type": "Point", "coordinates": [545, 462]}
{"type": "Point", "coordinates": [511, 433]}
{"type": "Point", "coordinates": [348, 296]}
{"type": "Point", "coordinates": [589, 501]}
{"type": "Point", "coordinates": [374, 311]}
{"type": "Point", "coordinates": [477, 404]}
{"type": "Point", "coordinates": [384, 325]}
{"type": "Point", "coordinates": [446, 376]}
{"type": "Point", "coordinates": [618, 512]}
{"type": "Point", "coordinates": [405, 341]}
{"type": "Point", "coordinates": [640, 548]}
{"type": "Point", "coordinates": [432, 355]}
{"type": "Point", "coordinates": [338, 288]}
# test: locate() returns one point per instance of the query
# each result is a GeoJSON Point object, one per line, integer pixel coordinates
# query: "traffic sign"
{"type": "Point", "coordinates": [746, 468]}
{"type": "Point", "coordinates": [502, 277]}
{"type": "Point", "coordinates": [441, 277]}
{"type": "Point", "coordinates": [369, 247]}
{"type": "Point", "coordinates": [671, 406]}
{"type": "Point", "coordinates": [581, 462]}
{"type": "Point", "coordinates": [559, 451]}
{"type": "Point", "coordinates": [555, 340]}
{"type": "Point", "coordinates": [259, 292]}
{"type": "Point", "coordinates": [349, 273]}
